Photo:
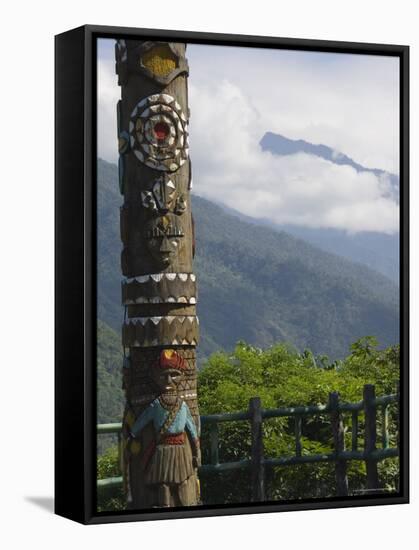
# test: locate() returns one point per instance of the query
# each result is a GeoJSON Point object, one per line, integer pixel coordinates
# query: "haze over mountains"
{"type": "Point", "coordinates": [379, 251]}
{"type": "Point", "coordinates": [259, 284]}
{"type": "Point", "coordinates": [281, 145]}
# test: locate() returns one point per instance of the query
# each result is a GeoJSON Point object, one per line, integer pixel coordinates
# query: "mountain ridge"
{"type": "Point", "coordinates": [281, 145]}
{"type": "Point", "coordinates": [377, 251]}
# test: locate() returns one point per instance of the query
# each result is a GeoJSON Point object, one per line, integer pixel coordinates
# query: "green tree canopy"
{"type": "Point", "coordinates": [283, 377]}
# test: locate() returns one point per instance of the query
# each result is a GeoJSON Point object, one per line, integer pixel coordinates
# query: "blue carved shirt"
{"type": "Point", "coordinates": [157, 414]}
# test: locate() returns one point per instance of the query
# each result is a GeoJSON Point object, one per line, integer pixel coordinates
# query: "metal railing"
{"type": "Point", "coordinates": [374, 450]}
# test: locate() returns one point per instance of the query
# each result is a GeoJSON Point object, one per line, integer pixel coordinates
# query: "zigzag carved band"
{"type": "Point", "coordinates": [160, 288]}
{"type": "Point", "coordinates": [161, 331]}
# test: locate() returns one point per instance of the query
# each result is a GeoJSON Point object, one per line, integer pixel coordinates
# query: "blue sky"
{"type": "Point", "coordinates": [348, 102]}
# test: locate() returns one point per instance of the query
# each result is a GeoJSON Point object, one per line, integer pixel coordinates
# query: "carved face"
{"type": "Point", "coordinates": [163, 237]}
{"type": "Point", "coordinates": [167, 379]}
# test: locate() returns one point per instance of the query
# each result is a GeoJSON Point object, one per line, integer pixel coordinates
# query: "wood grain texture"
{"type": "Point", "coordinates": [159, 290]}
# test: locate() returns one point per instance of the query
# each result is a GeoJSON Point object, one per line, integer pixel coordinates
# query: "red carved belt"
{"type": "Point", "coordinates": [172, 439]}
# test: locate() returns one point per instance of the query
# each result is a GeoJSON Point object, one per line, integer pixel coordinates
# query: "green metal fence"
{"type": "Point", "coordinates": [375, 448]}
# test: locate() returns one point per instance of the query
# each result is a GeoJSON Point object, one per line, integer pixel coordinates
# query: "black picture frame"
{"type": "Point", "coordinates": [75, 265]}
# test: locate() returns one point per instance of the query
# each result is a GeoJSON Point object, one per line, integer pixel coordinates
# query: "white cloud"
{"type": "Point", "coordinates": [348, 102]}
{"type": "Point", "coordinates": [108, 93]}
{"type": "Point", "coordinates": [300, 189]}
{"type": "Point", "coordinates": [335, 103]}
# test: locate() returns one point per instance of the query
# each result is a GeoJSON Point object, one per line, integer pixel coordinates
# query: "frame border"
{"type": "Point", "coordinates": [75, 271]}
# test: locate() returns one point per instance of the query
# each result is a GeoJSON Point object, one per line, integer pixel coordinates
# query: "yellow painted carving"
{"type": "Point", "coordinates": [129, 419]}
{"type": "Point", "coordinates": [121, 143]}
{"type": "Point", "coordinates": [160, 60]}
{"type": "Point", "coordinates": [135, 447]}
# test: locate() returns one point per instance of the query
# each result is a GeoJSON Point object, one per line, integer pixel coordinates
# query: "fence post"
{"type": "Point", "coordinates": [214, 443]}
{"type": "Point", "coordinates": [297, 432]}
{"type": "Point", "coordinates": [355, 430]}
{"type": "Point", "coordinates": [370, 436]}
{"type": "Point", "coordinates": [398, 413]}
{"type": "Point", "coordinates": [398, 430]}
{"type": "Point", "coordinates": [120, 451]}
{"type": "Point", "coordinates": [258, 468]}
{"type": "Point", "coordinates": [338, 432]}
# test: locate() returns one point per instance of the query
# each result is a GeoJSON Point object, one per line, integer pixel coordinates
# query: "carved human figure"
{"type": "Point", "coordinates": [170, 459]}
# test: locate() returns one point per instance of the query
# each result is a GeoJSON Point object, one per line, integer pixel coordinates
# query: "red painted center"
{"type": "Point", "coordinates": [161, 130]}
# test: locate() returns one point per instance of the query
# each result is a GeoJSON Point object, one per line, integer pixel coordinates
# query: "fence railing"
{"type": "Point", "coordinates": [375, 448]}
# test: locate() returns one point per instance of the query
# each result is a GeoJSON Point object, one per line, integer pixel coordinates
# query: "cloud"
{"type": "Point", "coordinates": [108, 93]}
{"type": "Point", "coordinates": [323, 99]}
{"type": "Point", "coordinates": [348, 102]}
{"type": "Point", "coordinates": [301, 189]}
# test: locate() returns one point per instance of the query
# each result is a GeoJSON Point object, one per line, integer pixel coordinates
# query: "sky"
{"type": "Point", "coordinates": [347, 102]}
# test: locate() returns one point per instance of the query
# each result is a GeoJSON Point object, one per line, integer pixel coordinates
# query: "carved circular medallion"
{"type": "Point", "coordinates": [159, 133]}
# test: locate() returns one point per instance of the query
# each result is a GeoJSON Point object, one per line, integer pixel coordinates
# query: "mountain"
{"type": "Point", "coordinates": [376, 250]}
{"type": "Point", "coordinates": [109, 308]}
{"type": "Point", "coordinates": [109, 383]}
{"type": "Point", "coordinates": [258, 284]}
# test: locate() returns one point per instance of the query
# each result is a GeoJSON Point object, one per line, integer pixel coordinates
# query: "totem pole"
{"type": "Point", "coordinates": [160, 331]}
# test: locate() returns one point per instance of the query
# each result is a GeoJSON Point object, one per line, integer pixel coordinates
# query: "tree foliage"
{"type": "Point", "coordinates": [282, 377]}
{"type": "Point", "coordinates": [107, 467]}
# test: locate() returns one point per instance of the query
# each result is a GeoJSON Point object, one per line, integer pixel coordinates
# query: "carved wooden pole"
{"type": "Point", "coordinates": [160, 330]}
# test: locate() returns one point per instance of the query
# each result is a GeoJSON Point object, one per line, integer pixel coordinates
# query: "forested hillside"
{"type": "Point", "coordinates": [109, 364]}
{"type": "Point", "coordinates": [259, 285]}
